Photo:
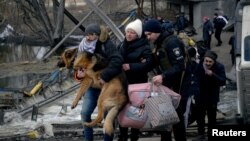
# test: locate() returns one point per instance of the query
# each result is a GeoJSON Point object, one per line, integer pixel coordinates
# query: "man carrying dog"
{"type": "Point", "coordinates": [96, 40]}
{"type": "Point", "coordinates": [169, 59]}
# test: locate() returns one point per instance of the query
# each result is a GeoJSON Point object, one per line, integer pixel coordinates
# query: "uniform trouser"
{"type": "Point", "coordinates": [89, 104]}
{"type": "Point", "coordinates": [179, 129]}
{"type": "Point", "coordinates": [218, 35]}
{"type": "Point", "coordinates": [134, 136]}
{"type": "Point", "coordinates": [204, 108]}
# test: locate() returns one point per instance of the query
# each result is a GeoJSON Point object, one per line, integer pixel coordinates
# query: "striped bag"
{"type": "Point", "coordinates": [161, 112]}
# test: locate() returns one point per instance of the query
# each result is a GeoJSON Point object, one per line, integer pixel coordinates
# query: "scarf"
{"type": "Point", "coordinates": [87, 46]}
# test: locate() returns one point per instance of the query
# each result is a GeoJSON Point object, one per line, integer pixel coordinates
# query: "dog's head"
{"type": "Point", "coordinates": [67, 58]}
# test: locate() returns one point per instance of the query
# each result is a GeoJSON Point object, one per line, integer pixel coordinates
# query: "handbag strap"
{"type": "Point", "coordinates": [153, 91]}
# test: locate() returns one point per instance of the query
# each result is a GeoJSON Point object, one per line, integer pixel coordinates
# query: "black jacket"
{"type": "Point", "coordinates": [109, 51]}
{"type": "Point", "coordinates": [207, 27]}
{"type": "Point", "coordinates": [139, 57]}
{"type": "Point", "coordinates": [190, 84]}
{"type": "Point", "coordinates": [175, 55]}
{"type": "Point", "coordinates": [210, 85]}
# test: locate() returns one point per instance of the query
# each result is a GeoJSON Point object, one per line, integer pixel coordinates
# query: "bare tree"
{"type": "Point", "coordinates": [36, 17]}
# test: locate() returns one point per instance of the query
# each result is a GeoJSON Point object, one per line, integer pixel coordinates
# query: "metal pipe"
{"type": "Point", "coordinates": [71, 17]}
{"type": "Point", "coordinates": [47, 101]}
{"type": "Point", "coordinates": [106, 19]}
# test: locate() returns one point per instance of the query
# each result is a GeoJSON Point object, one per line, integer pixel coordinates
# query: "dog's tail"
{"type": "Point", "coordinates": [108, 123]}
{"type": "Point", "coordinates": [124, 83]}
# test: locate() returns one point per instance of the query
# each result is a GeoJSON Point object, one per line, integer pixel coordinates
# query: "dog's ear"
{"type": "Point", "coordinates": [69, 53]}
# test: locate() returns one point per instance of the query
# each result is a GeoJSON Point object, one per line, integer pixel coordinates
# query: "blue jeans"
{"type": "Point", "coordinates": [89, 104]}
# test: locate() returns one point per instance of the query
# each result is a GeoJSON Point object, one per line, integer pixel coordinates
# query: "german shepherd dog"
{"type": "Point", "coordinates": [113, 94]}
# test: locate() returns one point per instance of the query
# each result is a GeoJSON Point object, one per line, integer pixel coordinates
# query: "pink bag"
{"type": "Point", "coordinates": [139, 92]}
{"type": "Point", "coordinates": [132, 116]}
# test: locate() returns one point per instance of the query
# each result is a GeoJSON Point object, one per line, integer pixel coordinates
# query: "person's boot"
{"type": "Point", "coordinates": [122, 138]}
{"type": "Point", "coordinates": [134, 138]}
{"type": "Point", "coordinates": [166, 136]}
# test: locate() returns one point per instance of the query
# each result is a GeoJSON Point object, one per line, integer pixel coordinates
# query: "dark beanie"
{"type": "Point", "coordinates": [152, 25]}
{"type": "Point", "coordinates": [93, 29]}
{"type": "Point", "coordinates": [211, 54]}
{"type": "Point", "coordinates": [191, 52]}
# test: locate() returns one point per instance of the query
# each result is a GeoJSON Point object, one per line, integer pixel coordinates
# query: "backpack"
{"type": "Point", "coordinates": [221, 22]}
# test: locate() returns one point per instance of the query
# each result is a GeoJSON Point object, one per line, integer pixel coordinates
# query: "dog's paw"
{"type": "Point", "coordinates": [74, 104]}
{"type": "Point", "coordinates": [100, 125]}
{"type": "Point", "coordinates": [89, 124]}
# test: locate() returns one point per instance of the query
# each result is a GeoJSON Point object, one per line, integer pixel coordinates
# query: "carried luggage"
{"type": "Point", "coordinates": [150, 107]}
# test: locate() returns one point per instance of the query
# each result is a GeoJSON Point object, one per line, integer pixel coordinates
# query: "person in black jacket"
{"type": "Point", "coordinates": [169, 58]}
{"type": "Point", "coordinates": [137, 63]}
{"type": "Point", "coordinates": [208, 30]}
{"type": "Point", "coordinates": [190, 85]}
{"type": "Point", "coordinates": [219, 23]}
{"type": "Point", "coordinates": [98, 41]}
{"type": "Point", "coordinates": [211, 75]}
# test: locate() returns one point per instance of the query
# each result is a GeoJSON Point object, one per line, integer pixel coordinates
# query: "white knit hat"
{"type": "Point", "coordinates": [136, 26]}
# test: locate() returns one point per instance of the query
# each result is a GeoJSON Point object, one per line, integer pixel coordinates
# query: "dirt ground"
{"type": "Point", "coordinates": [223, 51]}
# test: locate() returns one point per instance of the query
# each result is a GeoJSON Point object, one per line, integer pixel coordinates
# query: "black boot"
{"type": "Point", "coordinates": [123, 139]}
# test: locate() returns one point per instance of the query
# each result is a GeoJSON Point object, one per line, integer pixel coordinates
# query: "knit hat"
{"type": "Point", "coordinates": [93, 28]}
{"type": "Point", "coordinates": [153, 26]}
{"type": "Point", "coordinates": [191, 51]}
{"type": "Point", "coordinates": [136, 26]}
{"type": "Point", "coordinates": [211, 54]}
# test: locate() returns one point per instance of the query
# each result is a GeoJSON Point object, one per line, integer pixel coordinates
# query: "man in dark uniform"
{"type": "Point", "coordinates": [169, 59]}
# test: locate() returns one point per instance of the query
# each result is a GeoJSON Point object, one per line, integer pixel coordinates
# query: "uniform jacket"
{"type": "Point", "coordinates": [174, 48]}
{"type": "Point", "coordinates": [134, 53]}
